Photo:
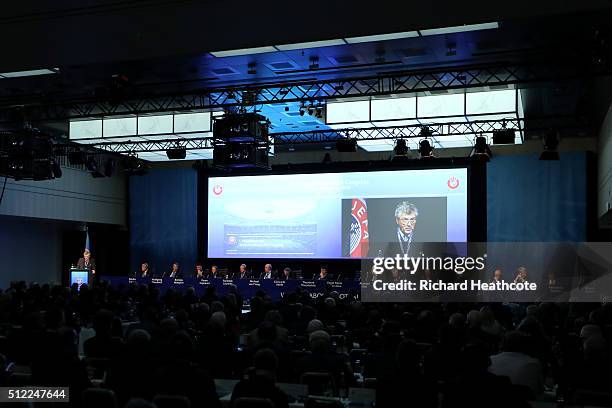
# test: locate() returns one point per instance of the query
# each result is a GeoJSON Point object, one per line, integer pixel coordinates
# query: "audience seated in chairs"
{"type": "Point", "coordinates": [261, 381]}
{"type": "Point", "coordinates": [175, 343]}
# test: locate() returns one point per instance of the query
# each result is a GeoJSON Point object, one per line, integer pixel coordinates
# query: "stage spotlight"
{"type": "Point", "coordinates": [286, 109]}
{"type": "Point", "coordinates": [481, 150]}
{"type": "Point", "coordinates": [425, 149]}
{"type": "Point", "coordinates": [425, 132]}
{"type": "Point", "coordinates": [503, 136]}
{"type": "Point", "coordinates": [310, 110]}
{"type": "Point", "coordinates": [133, 166]}
{"type": "Point", "coordinates": [319, 112]}
{"type": "Point", "coordinates": [301, 111]}
{"type": "Point", "coordinates": [551, 142]}
{"type": "Point", "coordinates": [177, 153]}
{"type": "Point", "coordinates": [401, 148]}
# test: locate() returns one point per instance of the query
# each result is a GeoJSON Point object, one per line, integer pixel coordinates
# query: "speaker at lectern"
{"type": "Point", "coordinates": [79, 276]}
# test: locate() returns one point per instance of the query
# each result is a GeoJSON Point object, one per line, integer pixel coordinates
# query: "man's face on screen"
{"type": "Point", "coordinates": [268, 268]}
{"type": "Point", "coordinates": [406, 222]}
{"type": "Point", "coordinates": [497, 275]}
{"type": "Point", "coordinates": [144, 267]}
{"type": "Point", "coordinates": [242, 269]}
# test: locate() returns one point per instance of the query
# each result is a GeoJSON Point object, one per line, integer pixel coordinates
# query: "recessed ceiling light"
{"type": "Point", "coordinates": [32, 72]}
{"type": "Point", "coordinates": [243, 51]}
{"type": "Point", "coordinates": [311, 44]}
{"type": "Point", "coordinates": [381, 37]}
{"type": "Point", "coordinates": [460, 29]}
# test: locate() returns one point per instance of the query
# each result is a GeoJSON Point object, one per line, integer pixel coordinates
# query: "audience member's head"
{"type": "Point", "coordinates": [590, 330]}
{"type": "Point", "coordinates": [314, 325]}
{"type": "Point", "coordinates": [218, 319]}
{"type": "Point", "coordinates": [320, 341]}
{"type": "Point", "coordinates": [265, 362]}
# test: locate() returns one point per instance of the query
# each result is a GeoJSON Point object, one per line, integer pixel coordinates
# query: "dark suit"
{"type": "Point", "coordinates": [91, 266]}
{"type": "Point", "coordinates": [178, 274]}
{"type": "Point", "coordinates": [246, 275]}
{"type": "Point", "coordinates": [141, 274]}
{"type": "Point", "coordinates": [272, 275]}
{"type": "Point", "coordinates": [217, 275]}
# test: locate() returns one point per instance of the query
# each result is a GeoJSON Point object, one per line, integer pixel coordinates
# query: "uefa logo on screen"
{"type": "Point", "coordinates": [217, 189]}
{"type": "Point", "coordinates": [453, 183]}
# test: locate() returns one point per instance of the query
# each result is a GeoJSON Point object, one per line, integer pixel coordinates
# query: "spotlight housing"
{"type": "Point", "coordinates": [503, 136]}
{"type": "Point", "coordinates": [426, 149]}
{"type": "Point", "coordinates": [481, 150]}
{"type": "Point", "coordinates": [401, 148]}
{"type": "Point", "coordinates": [177, 153]}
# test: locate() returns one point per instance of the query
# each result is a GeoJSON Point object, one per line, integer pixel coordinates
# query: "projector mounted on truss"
{"type": "Point", "coordinates": [240, 140]}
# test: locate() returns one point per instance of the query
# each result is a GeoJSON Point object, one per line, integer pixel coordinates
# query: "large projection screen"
{"type": "Point", "coordinates": [334, 215]}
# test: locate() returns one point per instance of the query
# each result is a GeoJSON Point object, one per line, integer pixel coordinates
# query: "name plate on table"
{"type": "Point", "coordinates": [131, 280]}
{"type": "Point", "coordinates": [179, 281]}
{"type": "Point", "coordinates": [254, 282]}
{"type": "Point", "coordinates": [308, 284]}
{"type": "Point", "coordinates": [204, 282]}
{"type": "Point", "coordinates": [334, 284]}
{"type": "Point", "coordinates": [157, 281]}
{"type": "Point", "coordinates": [279, 283]}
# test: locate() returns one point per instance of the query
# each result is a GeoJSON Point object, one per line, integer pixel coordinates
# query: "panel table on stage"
{"type": "Point", "coordinates": [247, 288]}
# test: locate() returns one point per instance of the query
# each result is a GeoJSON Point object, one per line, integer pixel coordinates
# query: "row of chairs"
{"type": "Point", "coordinates": [104, 398]}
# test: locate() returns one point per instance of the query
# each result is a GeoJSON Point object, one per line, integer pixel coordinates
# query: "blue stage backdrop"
{"type": "Point", "coordinates": [163, 219]}
{"type": "Point", "coordinates": [533, 200]}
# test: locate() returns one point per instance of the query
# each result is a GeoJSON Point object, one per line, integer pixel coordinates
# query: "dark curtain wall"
{"type": "Point", "coordinates": [30, 250]}
{"type": "Point", "coordinates": [163, 219]}
{"type": "Point", "coordinates": [533, 200]}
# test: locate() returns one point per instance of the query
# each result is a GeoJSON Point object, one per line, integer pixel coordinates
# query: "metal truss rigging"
{"type": "Point", "coordinates": [437, 130]}
{"type": "Point", "coordinates": [493, 76]}
{"type": "Point", "coordinates": [320, 136]}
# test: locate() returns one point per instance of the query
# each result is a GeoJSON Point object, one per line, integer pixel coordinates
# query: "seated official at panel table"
{"type": "Point", "coordinates": [323, 274]}
{"type": "Point", "coordinates": [242, 273]}
{"type": "Point", "coordinates": [215, 273]}
{"type": "Point", "coordinates": [144, 271]}
{"type": "Point", "coordinates": [268, 273]}
{"type": "Point", "coordinates": [498, 276]}
{"type": "Point", "coordinates": [175, 271]}
{"type": "Point", "coordinates": [521, 275]}
{"type": "Point", "coordinates": [287, 274]}
{"type": "Point", "coordinates": [199, 271]}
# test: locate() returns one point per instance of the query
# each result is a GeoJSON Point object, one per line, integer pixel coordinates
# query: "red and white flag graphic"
{"type": "Point", "coordinates": [360, 238]}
